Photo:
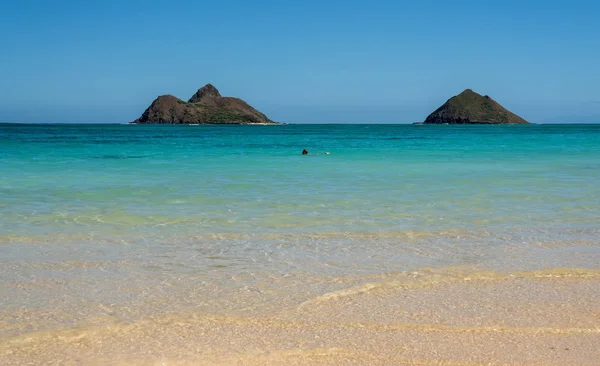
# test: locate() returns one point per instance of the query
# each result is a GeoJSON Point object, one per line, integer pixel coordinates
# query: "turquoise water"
{"type": "Point", "coordinates": [86, 208]}
{"type": "Point", "coordinates": [118, 179]}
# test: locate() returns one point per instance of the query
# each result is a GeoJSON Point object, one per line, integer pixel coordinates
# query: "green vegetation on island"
{"type": "Point", "coordinates": [471, 108]}
{"type": "Point", "coordinates": [207, 106]}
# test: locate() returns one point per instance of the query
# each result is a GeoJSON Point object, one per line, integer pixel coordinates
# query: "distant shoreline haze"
{"type": "Point", "coordinates": [291, 114]}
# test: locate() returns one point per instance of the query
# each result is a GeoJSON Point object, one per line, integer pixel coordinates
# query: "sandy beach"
{"type": "Point", "coordinates": [430, 318]}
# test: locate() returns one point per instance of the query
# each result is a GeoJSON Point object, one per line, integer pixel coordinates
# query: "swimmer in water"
{"type": "Point", "coordinates": [305, 152]}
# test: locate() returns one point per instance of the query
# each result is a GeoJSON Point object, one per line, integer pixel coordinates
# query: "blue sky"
{"type": "Point", "coordinates": [299, 61]}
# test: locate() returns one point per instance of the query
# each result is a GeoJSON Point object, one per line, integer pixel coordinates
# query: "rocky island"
{"type": "Point", "coordinates": [207, 106]}
{"type": "Point", "coordinates": [469, 107]}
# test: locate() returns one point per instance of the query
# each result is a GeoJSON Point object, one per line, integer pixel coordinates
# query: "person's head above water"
{"type": "Point", "coordinates": [304, 152]}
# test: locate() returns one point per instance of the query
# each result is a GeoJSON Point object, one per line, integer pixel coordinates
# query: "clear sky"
{"type": "Point", "coordinates": [299, 61]}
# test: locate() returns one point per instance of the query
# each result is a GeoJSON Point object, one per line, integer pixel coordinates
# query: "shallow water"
{"type": "Point", "coordinates": [122, 223]}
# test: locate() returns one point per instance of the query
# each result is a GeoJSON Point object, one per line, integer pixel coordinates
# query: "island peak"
{"type": "Point", "coordinates": [208, 91]}
{"type": "Point", "coordinates": [469, 107]}
{"type": "Point", "coordinates": [467, 92]}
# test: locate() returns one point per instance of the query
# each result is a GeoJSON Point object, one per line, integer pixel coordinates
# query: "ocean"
{"type": "Point", "coordinates": [129, 242]}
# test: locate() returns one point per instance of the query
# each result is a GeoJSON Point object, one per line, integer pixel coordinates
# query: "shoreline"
{"type": "Point", "coordinates": [216, 245]}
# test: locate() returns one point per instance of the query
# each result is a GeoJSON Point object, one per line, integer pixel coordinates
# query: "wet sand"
{"type": "Point", "coordinates": [549, 317]}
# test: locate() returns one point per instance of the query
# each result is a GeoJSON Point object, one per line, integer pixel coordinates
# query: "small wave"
{"type": "Point", "coordinates": [117, 157]}
{"type": "Point", "coordinates": [430, 277]}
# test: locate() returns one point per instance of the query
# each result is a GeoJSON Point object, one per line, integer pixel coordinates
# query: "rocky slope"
{"type": "Point", "coordinates": [471, 108]}
{"type": "Point", "coordinates": [207, 106]}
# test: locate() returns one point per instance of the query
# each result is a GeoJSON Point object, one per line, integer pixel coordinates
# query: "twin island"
{"type": "Point", "coordinates": [207, 106]}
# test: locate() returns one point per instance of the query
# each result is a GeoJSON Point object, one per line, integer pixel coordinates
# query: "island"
{"type": "Point", "coordinates": [207, 106]}
{"type": "Point", "coordinates": [469, 107]}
